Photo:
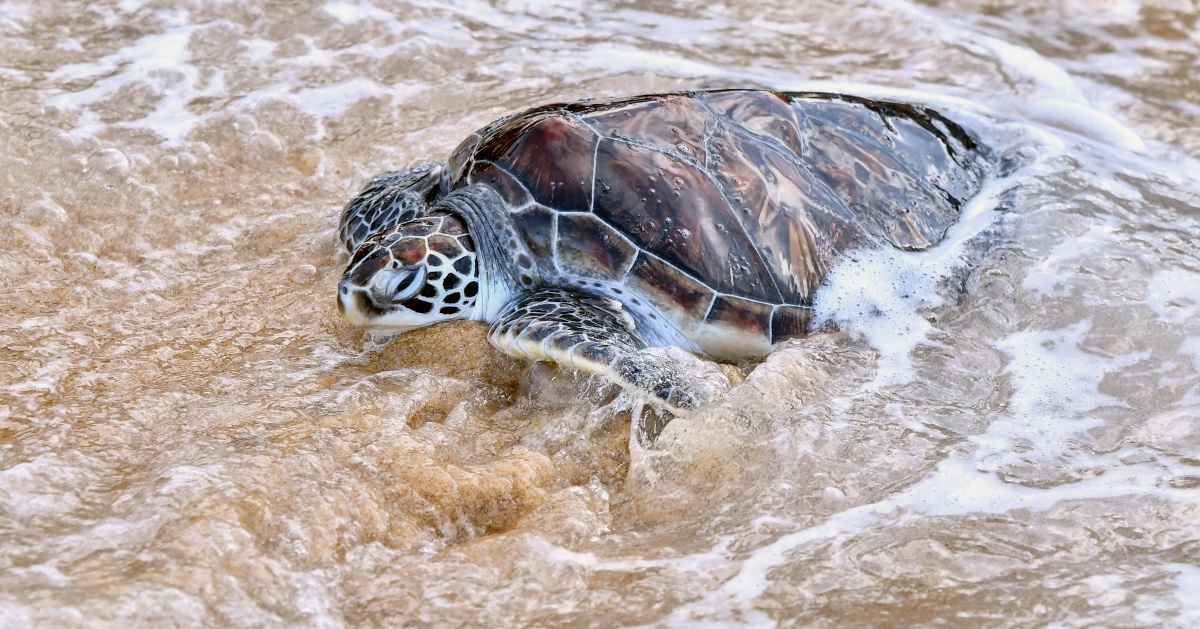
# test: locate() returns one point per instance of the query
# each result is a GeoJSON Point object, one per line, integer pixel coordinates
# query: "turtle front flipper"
{"type": "Point", "coordinates": [594, 334]}
{"type": "Point", "coordinates": [390, 199]}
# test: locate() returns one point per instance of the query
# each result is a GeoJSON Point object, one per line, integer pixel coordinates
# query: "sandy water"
{"type": "Point", "coordinates": [1005, 433]}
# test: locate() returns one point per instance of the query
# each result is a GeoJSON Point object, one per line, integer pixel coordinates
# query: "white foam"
{"type": "Point", "coordinates": [1046, 278]}
{"type": "Point", "coordinates": [352, 13]}
{"type": "Point", "coordinates": [15, 13]}
{"type": "Point", "coordinates": [259, 50]}
{"type": "Point", "coordinates": [158, 51]}
{"type": "Point", "coordinates": [880, 293]}
{"type": "Point", "coordinates": [1047, 76]}
{"type": "Point", "coordinates": [1187, 592]}
{"type": "Point", "coordinates": [334, 100]}
{"type": "Point", "coordinates": [1191, 347]}
{"type": "Point", "coordinates": [160, 62]}
{"type": "Point", "coordinates": [1078, 118]}
{"type": "Point", "coordinates": [14, 614]}
{"type": "Point", "coordinates": [13, 75]}
{"type": "Point", "coordinates": [1054, 376]}
{"type": "Point", "coordinates": [188, 479]}
{"type": "Point", "coordinates": [1172, 294]}
{"type": "Point", "coordinates": [35, 487]}
{"type": "Point", "coordinates": [314, 600]}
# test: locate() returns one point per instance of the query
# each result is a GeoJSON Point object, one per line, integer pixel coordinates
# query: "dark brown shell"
{"type": "Point", "coordinates": [722, 205]}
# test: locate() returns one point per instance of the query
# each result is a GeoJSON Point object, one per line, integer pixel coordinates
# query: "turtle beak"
{"type": "Point", "coordinates": [343, 297]}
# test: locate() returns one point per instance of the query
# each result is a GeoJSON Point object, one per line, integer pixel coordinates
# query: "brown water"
{"type": "Point", "coordinates": [190, 436]}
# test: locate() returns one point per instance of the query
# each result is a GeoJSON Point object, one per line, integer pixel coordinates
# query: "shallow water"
{"type": "Point", "coordinates": [1004, 433]}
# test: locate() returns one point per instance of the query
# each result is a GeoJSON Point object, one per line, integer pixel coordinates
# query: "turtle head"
{"type": "Point", "coordinates": [419, 272]}
{"type": "Point", "coordinates": [390, 199]}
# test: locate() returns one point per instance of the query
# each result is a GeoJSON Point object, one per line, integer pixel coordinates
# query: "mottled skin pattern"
{"type": "Point", "coordinates": [390, 199]}
{"type": "Point", "coordinates": [576, 330]}
{"type": "Point", "coordinates": [701, 220]}
{"type": "Point", "coordinates": [434, 264]}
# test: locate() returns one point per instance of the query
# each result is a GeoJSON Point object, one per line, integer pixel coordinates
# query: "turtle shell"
{"type": "Point", "coordinates": [722, 209]}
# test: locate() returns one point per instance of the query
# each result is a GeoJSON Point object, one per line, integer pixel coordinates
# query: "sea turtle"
{"type": "Point", "coordinates": [593, 234]}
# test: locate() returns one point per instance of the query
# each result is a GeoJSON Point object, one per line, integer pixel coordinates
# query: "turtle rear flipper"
{"type": "Point", "coordinates": [595, 335]}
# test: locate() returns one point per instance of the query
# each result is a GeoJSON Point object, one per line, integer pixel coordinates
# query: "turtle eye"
{"type": "Point", "coordinates": [400, 284]}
